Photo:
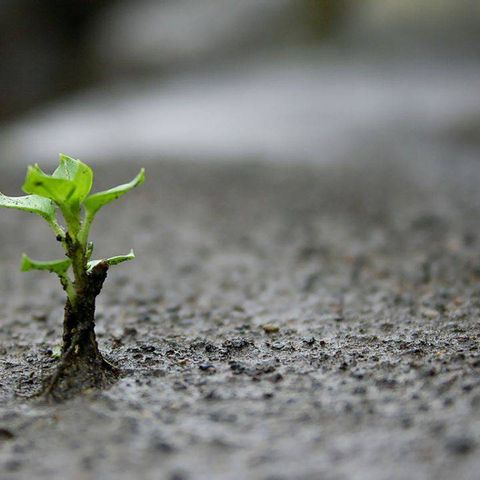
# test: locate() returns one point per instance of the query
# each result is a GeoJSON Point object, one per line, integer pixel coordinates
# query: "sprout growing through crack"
{"type": "Point", "coordinates": [67, 191]}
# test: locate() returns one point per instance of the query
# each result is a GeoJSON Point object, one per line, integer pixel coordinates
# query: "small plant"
{"type": "Point", "coordinates": [67, 191]}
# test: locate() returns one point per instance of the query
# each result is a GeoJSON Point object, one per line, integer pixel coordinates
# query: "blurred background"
{"type": "Point", "coordinates": [275, 80]}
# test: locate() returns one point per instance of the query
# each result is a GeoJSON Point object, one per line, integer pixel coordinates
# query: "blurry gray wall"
{"type": "Point", "coordinates": [50, 47]}
{"type": "Point", "coordinates": [288, 80]}
{"type": "Point", "coordinates": [43, 49]}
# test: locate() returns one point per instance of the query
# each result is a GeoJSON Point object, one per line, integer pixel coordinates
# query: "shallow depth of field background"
{"type": "Point", "coordinates": [305, 300]}
{"type": "Point", "coordinates": [227, 80]}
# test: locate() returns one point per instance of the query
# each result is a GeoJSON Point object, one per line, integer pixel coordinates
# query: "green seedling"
{"type": "Point", "coordinates": [67, 192]}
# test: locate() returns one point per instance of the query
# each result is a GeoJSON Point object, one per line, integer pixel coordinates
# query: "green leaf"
{"type": "Point", "coordinates": [70, 183]}
{"type": "Point", "coordinates": [59, 190]}
{"type": "Point", "coordinates": [77, 172]}
{"type": "Point", "coordinates": [95, 202]}
{"type": "Point", "coordinates": [59, 267]}
{"type": "Point", "coordinates": [30, 203]}
{"type": "Point", "coordinates": [111, 261]}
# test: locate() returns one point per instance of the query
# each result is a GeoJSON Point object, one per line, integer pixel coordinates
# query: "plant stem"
{"type": "Point", "coordinates": [79, 266]}
{"type": "Point", "coordinates": [59, 231]}
{"type": "Point", "coordinates": [85, 228]}
{"type": "Point", "coordinates": [69, 288]}
{"type": "Point", "coordinates": [76, 250]}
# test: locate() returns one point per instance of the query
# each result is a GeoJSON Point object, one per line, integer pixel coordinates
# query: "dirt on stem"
{"type": "Point", "coordinates": [82, 365]}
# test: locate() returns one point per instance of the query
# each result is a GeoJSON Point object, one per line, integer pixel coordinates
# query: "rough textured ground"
{"type": "Point", "coordinates": [279, 323]}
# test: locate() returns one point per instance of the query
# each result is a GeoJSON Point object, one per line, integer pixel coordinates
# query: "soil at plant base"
{"type": "Point", "coordinates": [280, 322]}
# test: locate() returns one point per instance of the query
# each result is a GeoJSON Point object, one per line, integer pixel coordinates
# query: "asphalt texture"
{"type": "Point", "coordinates": [280, 322]}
